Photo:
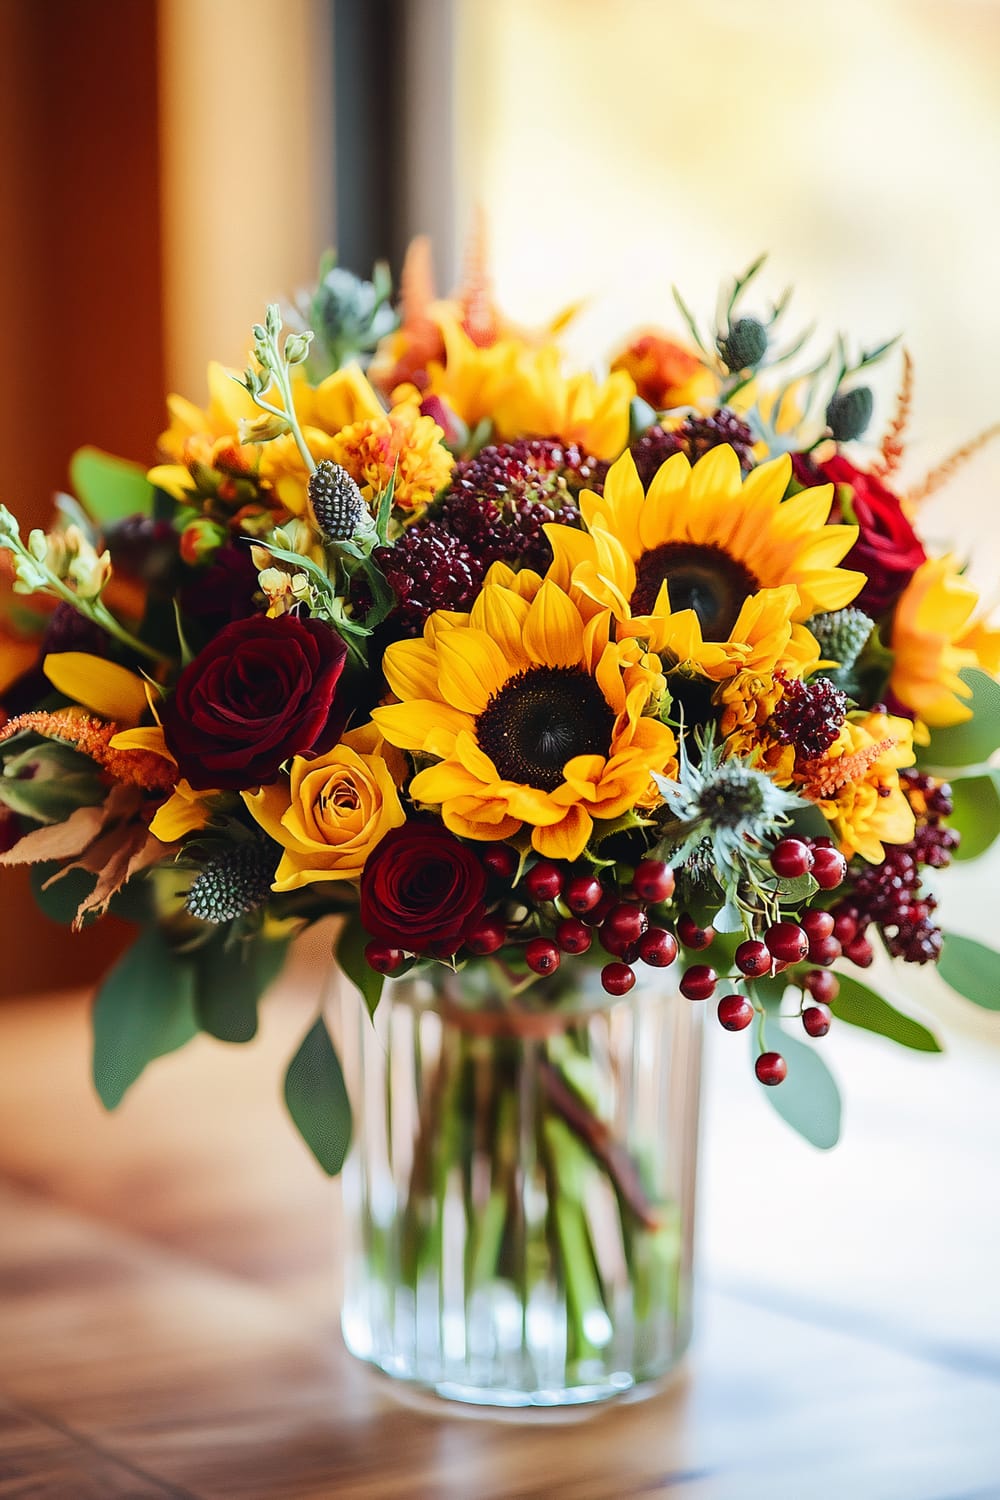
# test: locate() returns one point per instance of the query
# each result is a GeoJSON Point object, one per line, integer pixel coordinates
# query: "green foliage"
{"type": "Point", "coordinates": [317, 1100]}
{"type": "Point", "coordinates": [46, 782]}
{"type": "Point", "coordinates": [976, 814]}
{"type": "Point", "coordinates": [808, 1100]}
{"type": "Point", "coordinates": [350, 955]}
{"type": "Point", "coordinates": [110, 488]}
{"type": "Point", "coordinates": [62, 899]}
{"type": "Point", "coordinates": [859, 1006]}
{"type": "Point", "coordinates": [973, 742]}
{"type": "Point", "coordinates": [972, 969]}
{"type": "Point", "coordinates": [230, 980]}
{"type": "Point", "coordinates": [144, 1009]}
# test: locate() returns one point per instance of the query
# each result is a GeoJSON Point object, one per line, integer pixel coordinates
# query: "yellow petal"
{"type": "Point", "coordinates": [183, 812]}
{"type": "Point", "coordinates": [411, 669]}
{"type": "Point", "coordinates": [553, 630]}
{"type": "Point", "coordinates": [103, 686]}
{"type": "Point", "coordinates": [471, 668]}
{"type": "Point", "coordinates": [567, 839]}
{"type": "Point", "coordinates": [422, 724]}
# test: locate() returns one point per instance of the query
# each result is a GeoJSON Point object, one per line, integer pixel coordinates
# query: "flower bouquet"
{"type": "Point", "coordinates": [535, 681]}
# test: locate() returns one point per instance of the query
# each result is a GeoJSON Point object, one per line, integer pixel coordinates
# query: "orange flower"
{"type": "Point", "coordinates": [404, 443]}
{"type": "Point", "coordinates": [665, 373]}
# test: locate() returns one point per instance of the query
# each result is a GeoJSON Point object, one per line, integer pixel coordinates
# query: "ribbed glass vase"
{"type": "Point", "coordinates": [519, 1198]}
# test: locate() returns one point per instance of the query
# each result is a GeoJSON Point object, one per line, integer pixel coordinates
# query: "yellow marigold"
{"type": "Point", "coordinates": [747, 701]}
{"type": "Point", "coordinates": [666, 374]}
{"type": "Point", "coordinates": [856, 785]}
{"type": "Point", "coordinates": [542, 401]}
{"type": "Point", "coordinates": [537, 719]}
{"type": "Point", "coordinates": [331, 811]}
{"type": "Point", "coordinates": [403, 442]}
{"type": "Point", "coordinates": [934, 636]}
{"type": "Point", "coordinates": [715, 571]}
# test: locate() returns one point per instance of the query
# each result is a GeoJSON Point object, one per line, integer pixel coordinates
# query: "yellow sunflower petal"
{"type": "Point", "coordinates": [501, 614]}
{"type": "Point", "coordinates": [471, 668]}
{"type": "Point", "coordinates": [411, 669]}
{"type": "Point", "coordinates": [103, 686]}
{"type": "Point", "coordinates": [566, 839]}
{"type": "Point", "coordinates": [422, 724]}
{"type": "Point", "coordinates": [553, 630]}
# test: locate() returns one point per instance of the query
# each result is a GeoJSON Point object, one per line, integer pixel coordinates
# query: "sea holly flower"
{"type": "Point", "coordinates": [332, 810]}
{"type": "Point", "coordinates": [538, 720]}
{"type": "Point", "coordinates": [715, 571]}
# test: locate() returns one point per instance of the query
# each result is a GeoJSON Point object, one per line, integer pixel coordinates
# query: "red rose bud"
{"type": "Point", "coordinates": [261, 691]}
{"type": "Point", "coordinates": [200, 541]}
{"type": "Point", "coordinates": [887, 548]}
{"type": "Point", "coordinates": [456, 434]}
{"type": "Point", "coordinates": [422, 889]}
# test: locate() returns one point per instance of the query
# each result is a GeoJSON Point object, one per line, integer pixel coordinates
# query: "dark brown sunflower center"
{"type": "Point", "coordinates": [539, 720]}
{"type": "Point", "coordinates": [703, 578]}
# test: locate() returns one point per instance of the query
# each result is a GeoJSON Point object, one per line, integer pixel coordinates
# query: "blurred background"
{"type": "Point", "coordinates": [171, 165]}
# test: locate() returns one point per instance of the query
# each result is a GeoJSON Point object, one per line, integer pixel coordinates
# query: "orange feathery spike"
{"type": "Point", "coordinates": [824, 777]}
{"type": "Point", "coordinates": [892, 443]}
{"type": "Point", "coordinates": [416, 282]}
{"type": "Point", "coordinates": [142, 768]}
{"type": "Point", "coordinates": [479, 311]}
{"type": "Point", "coordinates": [943, 471]}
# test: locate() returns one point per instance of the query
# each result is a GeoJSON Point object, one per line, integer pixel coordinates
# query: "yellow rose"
{"type": "Point", "coordinates": [330, 812]}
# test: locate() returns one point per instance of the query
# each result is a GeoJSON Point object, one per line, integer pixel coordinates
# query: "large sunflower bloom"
{"type": "Point", "coordinates": [714, 571]}
{"type": "Point", "coordinates": [536, 718]}
{"type": "Point", "coordinates": [934, 636]}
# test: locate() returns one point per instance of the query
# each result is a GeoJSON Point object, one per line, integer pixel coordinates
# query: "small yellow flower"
{"type": "Point", "coordinates": [542, 401]}
{"type": "Point", "coordinates": [331, 812]}
{"type": "Point", "coordinates": [934, 635]}
{"type": "Point", "coordinates": [747, 701]}
{"type": "Point", "coordinates": [403, 442]}
{"type": "Point", "coordinates": [537, 718]}
{"type": "Point", "coordinates": [856, 785]}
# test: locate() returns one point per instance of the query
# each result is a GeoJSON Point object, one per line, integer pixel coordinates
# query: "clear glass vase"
{"type": "Point", "coordinates": [519, 1197]}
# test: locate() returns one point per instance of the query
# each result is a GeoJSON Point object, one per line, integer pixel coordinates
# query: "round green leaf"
{"type": "Point", "coordinates": [859, 1006]}
{"type": "Point", "coordinates": [973, 742]}
{"type": "Point", "coordinates": [972, 969]}
{"type": "Point", "coordinates": [144, 1009]}
{"type": "Point", "coordinates": [808, 1100]}
{"type": "Point", "coordinates": [976, 814]}
{"type": "Point", "coordinates": [317, 1101]}
{"type": "Point", "coordinates": [110, 488]}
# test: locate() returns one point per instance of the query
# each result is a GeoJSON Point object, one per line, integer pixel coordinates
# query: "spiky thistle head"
{"type": "Point", "coordinates": [233, 884]}
{"type": "Point", "coordinates": [336, 500]}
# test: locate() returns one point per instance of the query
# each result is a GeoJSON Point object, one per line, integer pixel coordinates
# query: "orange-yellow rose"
{"type": "Point", "coordinates": [330, 812]}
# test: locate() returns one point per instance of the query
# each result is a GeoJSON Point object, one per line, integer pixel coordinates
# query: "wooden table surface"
{"type": "Point", "coordinates": [168, 1327]}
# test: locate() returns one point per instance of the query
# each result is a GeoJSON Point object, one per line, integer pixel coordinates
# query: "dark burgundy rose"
{"type": "Point", "coordinates": [261, 691]}
{"type": "Point", "coordinates": [887, 549]}
{"type": "Point", "coordinates": [422, 889]}
{"type": "Point", "coordinates": [223, 591]}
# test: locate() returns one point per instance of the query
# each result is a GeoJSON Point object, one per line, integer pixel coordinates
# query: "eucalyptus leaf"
{"type": "Point", "coordinates": [350, 955]}
{"type": "Point", "coordinates": [972, 969]}
{"type": "Point", "coordinates": [974, 741]}
{"type": "Point", "coordinates": [110, 488]}
{"type": "Point", "coordinates": [860, 1006]}
{"type": "Point", "coordinates": [808, 1100]}
{"type": "Point", "coordinates": [317, 1101]}
{"type": "Point", "coordinates": [976, 812]}
{"type": "Point", "coordinates": [228, 987]}
{"type": "Point", "coordinates": [144, 1009]}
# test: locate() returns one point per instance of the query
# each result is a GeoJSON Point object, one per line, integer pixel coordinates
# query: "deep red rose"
{"type": "Point", "coordinates": [261, 691]}
{"type": "Point", "coordinates": [887, 549]}
{"type": "Point", "coordinates": [422, 889]}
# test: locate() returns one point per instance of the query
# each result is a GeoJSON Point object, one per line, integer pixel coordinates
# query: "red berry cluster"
{"type": "Point", "coordinates": [890, 895]}
{"type": "Point", "coordinates": [810, 716]}
{"type": "Point", "coordinates": [494, 511]}
{"type": "Point", "coordinates": [694, 437]}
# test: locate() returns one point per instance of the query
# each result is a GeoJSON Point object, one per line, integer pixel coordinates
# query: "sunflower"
{"type": "Point", "coordinates": [543, 401]}
{"type": "Point", "coordinates": [934, 636]}
{"type": "Point", "coordinates": [714, 571]}
{"type": "Point", "coordinates": [535, 717]}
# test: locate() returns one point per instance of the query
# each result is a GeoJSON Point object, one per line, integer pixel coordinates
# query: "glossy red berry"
{"type": "Point", "coordinates": [829, 868]}
{"type": "Point", "coordinates": [613, 942]}
{"type": "Point", "coordinates": [627, 921]}
{"type": "Point", "coordinates": [658, 947]}
{"type": "Point", "coordinates": [542, 956]}
{"type": "Point", "coordinates": [487, 936]}
{"type": "Point", "coordinates": [824, 951]}
{"type": "Point", "coordinates": [617, 979]}
{"type": "Point", "coordinates": [653, 881]}
{"type": "Point", "coordinates": [845, 927]}
{"type": "Point", "coordinates": [582, 894]}
{"type": "Point", "coordinates": [500, 860]}
{"type": "Point", "coordinates": [544, 881]}
{"type": "Point", "coordinates": [698, 982]}
{"type": "Point", "coordinates": [860, 952]}
{"type": "Point", "coordinates": [596, 915]}
{"type": "Point", "coordinates": [822, 985]}
{"type": "Point", "coordinates": [787, 941]}
{"type": "Point", "coordinates": [735, 1013]}
{"type": "Point", "coordinates": [383, 958]}
{"type": "Point", "coordinates": [816, 1020]}
{"type": "Point", "coordinates": [791, 858]}
{"type": "Point", "coordinates": [753, 959]}
{"type": "Point", "coordinates": [691, 935]}
{"type": "Point", "coordinates": [817, 924]}
{"type": "Point", "coordinates": [573, 937]}
{"type": "Point", "coordinates": [771, 1068]}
